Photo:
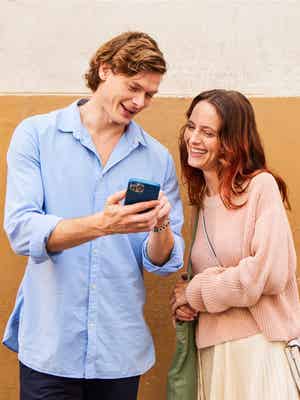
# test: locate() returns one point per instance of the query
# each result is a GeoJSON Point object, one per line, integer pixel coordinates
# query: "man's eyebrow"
{"type": "Point", "coordinates": [141, 87]}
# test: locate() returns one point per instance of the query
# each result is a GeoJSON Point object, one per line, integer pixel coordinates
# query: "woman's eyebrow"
{"type": "Point", "coordinates": [201, 126]}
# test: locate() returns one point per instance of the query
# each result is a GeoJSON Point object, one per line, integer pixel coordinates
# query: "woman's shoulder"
{"type": "Point", "coordinates": [264, 186]}
{"type": "Point", "coordinates": [263, 178]}
{"type": "Point", "coordinates": [263, 182]}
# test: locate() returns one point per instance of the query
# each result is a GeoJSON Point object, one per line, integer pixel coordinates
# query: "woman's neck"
{"type": "Point", "coordinates": [212, 182]}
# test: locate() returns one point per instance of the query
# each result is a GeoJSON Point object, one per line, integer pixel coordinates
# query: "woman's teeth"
{"type": "Point", "coordinates": [199, 151]}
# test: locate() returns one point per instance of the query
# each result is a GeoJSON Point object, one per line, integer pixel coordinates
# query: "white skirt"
{"type": "Point", "coordinates": [246, 369]}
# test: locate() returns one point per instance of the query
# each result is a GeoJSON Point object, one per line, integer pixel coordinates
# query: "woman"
{"type": "Point", "coordinates": [245, 295]}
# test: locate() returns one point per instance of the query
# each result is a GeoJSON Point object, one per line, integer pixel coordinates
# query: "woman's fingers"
{"type": "Point", "coordinates": [182, 316]}
{"type": "Point", "coordinates": [186, 311]}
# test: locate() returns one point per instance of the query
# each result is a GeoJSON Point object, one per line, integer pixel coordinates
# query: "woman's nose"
{"type": "Point", "coordinates": [196, 137]}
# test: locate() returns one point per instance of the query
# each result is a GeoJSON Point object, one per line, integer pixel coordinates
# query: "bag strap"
{"type": "Point", "coordinates": [189, 265]}
{"type": "Point", "coordinates": [210, 245]}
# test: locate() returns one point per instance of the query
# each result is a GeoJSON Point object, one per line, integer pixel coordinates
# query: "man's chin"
{"type": "Point", "coordinates": [120, 120]}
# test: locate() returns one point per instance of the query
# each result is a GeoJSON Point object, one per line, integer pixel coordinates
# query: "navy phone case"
{"type": "Point", "coordinates": [139, 190]}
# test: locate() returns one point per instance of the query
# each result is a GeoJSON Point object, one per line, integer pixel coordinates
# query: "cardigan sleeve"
{"type": "Point", "coordinates": [266, 271]}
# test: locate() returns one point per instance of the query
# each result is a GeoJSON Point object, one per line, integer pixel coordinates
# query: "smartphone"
{"type": "Point", "coordinates": [139, 190]}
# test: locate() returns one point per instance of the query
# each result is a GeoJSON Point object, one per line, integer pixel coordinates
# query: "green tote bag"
{"type": "Point", "coordinates": [182, 376]}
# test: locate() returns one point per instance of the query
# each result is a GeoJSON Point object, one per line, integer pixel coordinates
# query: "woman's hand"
{"type": "Point", "coordinates": [185, 313]}
{"type": "Point", "coordinates": [181, 310]}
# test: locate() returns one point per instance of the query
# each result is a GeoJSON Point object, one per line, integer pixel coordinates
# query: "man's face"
{"type": "Point", "coordinates": [123, 97]}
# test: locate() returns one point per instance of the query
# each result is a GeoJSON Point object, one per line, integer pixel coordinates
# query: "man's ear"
{"type": "Point", "coordinates": [104, 71]}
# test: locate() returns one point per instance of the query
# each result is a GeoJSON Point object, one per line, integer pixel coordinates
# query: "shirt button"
{"type": "Point", "coordinates": [93, 286]}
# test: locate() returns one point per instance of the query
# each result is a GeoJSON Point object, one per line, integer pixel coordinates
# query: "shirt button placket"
{"type": "Point", "coordinates": [92, 304]}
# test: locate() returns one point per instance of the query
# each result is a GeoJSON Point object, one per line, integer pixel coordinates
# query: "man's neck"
{"type": "Point", "coordinates": [97, 121]}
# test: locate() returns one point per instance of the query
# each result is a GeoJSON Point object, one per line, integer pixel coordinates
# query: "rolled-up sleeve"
{"type": "Point", "coordinates": [25, 222]}
{"type": "Point", "coordinates": [173, 264]}
{"type": "Point", "coordinates": [171, 190]}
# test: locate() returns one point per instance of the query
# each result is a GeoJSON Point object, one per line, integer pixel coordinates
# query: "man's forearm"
{"type": "Point", "coordinates": [113, 219]}
{"type": "Point", "coordinates": [160, 246]}
{"type": "Point", "coordinates": [73, 232]}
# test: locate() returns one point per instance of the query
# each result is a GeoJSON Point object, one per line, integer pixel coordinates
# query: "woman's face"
{"type": "Point", "coordinates": [202, 137]}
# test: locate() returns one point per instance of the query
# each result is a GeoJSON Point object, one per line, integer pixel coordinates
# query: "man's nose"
{"type": "Point", "coordinates": [139, 100]}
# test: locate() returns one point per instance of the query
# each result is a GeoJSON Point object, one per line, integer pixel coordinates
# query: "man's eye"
{"type": "Point", "coordinates": [133, 88]}
{"type": "Point", "coordinates": [149, 95]}
{"type": "Point", "coordinates": [209, 134]}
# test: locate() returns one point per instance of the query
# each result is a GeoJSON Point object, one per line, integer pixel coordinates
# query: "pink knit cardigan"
{"type": "Point", "coordinates": [255, 289]}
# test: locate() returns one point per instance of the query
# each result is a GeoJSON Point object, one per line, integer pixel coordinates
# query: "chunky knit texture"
{"type": "Point", "coordinates": [255, 289]}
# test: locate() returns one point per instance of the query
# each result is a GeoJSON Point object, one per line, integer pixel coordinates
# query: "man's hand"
{"type": "Point", "coordinates": [117, 218]}
{"type": "Point", "coordinates": [164, 209]}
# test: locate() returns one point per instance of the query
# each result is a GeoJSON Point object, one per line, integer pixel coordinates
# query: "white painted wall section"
{"type": "Point", "coordinates": [252, 46]}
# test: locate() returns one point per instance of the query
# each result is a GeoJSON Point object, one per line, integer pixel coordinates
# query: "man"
{"type": "Point", "coordinates": [78, 322]}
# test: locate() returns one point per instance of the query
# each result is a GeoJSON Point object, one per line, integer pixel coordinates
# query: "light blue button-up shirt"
{"type": "Point", "coordinates": [79, 313]}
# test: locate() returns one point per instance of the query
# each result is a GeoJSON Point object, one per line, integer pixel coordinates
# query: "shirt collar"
{"type": "Point", "coordinates": [135, 134]}
{"type": "Point", "coordinates": [69, 122]}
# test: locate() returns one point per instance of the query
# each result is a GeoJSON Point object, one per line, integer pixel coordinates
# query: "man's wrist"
{"type": "Point", "coordinates": [162, 227]}
{"type": "Point", "coordinates": [98, 224]}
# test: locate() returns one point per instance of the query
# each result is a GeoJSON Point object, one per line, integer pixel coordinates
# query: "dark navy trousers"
{"type": "Point", "coordinates": [39, 386]}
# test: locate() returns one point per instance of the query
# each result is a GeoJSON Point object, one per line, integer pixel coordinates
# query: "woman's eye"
{"type": "Point", "coordinates": [190, 127]}
{"type": "Point", "coordinates": [209, 134]}
{"type": "Point", "coordinates": [133, 88]}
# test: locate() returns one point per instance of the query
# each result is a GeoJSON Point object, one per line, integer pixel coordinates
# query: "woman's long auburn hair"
{"type": "Point", "coordinates": [241, 152]}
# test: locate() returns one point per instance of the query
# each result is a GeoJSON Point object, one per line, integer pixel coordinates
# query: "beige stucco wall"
{"type": "Point", "coordinates": [252, 46]}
